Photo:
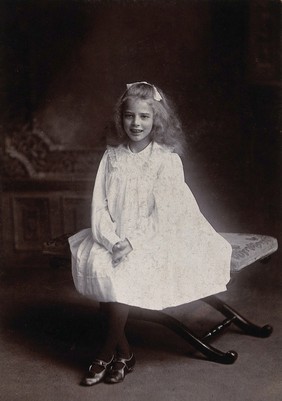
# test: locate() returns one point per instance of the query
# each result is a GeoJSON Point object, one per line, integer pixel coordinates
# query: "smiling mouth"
{"type": "Point", "coordinates": [136, 131]}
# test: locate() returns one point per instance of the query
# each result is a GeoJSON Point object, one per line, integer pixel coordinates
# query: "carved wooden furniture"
{"type": "Point", "coordinates": [46, 190]}
{"type": "Point", "coordinates": [247, 248]}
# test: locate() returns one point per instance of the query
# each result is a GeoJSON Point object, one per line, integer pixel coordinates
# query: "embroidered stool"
{"type": "Point", "coordinates": [246, 249]}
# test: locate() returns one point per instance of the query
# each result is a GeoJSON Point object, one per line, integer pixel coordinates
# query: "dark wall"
{"type": "Point", "coordinates": [66, 62]}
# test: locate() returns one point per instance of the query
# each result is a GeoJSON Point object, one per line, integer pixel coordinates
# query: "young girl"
{"type": "Point", "coordinates": [149, 245]}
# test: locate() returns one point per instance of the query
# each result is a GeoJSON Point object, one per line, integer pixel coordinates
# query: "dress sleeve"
{"type": "Point", "coordinates": [103, 227]}
{"type": "Point", "coordinates": [173, 202]}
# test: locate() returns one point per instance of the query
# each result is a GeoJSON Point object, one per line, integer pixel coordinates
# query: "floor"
{"type": "Point", "coordinates": [49, 335]}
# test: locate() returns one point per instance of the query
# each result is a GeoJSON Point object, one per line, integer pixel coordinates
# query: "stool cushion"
{"type": "Point", "coordinates": [247, 248]}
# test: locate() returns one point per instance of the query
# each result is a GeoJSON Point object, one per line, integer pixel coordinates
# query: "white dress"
{"type": "Point", "coordinates": [177, 256]}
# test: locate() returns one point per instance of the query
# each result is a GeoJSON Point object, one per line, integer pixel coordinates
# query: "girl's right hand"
{"type": "Point", "coordinates": [120, 250]}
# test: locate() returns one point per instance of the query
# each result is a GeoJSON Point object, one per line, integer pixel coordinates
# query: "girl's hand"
{"type": "Point", "coordinates": [120, 250]}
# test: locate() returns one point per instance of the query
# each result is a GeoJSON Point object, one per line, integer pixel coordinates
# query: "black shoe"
{"type": "Point", "coordinates": [93, 377]}
{"type": "Point", "coordinates": [119, 369]}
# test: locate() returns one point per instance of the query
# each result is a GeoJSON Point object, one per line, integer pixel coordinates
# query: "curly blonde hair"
{"type": "Point", "coordinates": [167, 129]}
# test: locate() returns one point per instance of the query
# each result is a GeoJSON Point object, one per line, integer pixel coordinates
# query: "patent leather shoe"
{"type": "Point", "coordinates": [92, 377]}
{"type": "Point", "coordinates": [119, 369]}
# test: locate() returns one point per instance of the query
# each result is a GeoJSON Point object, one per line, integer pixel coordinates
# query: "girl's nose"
{"type": "Point", "coordinates": [136, 121]}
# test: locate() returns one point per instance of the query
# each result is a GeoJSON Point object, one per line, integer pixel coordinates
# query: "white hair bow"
{"type": "Point", "coordinates": [156, 96]}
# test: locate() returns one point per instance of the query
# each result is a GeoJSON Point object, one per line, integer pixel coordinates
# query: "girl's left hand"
{"type": "Point", "coordinates": [120, 250]}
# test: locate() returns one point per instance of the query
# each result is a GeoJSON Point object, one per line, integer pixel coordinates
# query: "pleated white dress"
{"type": "Point", "coordinates": [177, 256]}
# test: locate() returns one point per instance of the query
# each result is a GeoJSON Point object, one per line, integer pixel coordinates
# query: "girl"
{"type": "Point", "coordinates": [149, 245]}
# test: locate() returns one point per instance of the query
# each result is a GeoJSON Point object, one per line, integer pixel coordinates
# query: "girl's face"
{"type": "Point", "coordinates": [137, 118]}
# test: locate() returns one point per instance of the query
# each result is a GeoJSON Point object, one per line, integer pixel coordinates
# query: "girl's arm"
{"type": "Point", "coordinates": [103, 227]}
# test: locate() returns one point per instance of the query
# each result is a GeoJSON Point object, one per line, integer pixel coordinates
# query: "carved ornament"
{"type": "Point", "coordinates": [32, 154]}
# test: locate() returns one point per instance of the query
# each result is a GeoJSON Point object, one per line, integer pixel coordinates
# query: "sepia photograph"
{"type": "Point", "coordinates": [140, 208]}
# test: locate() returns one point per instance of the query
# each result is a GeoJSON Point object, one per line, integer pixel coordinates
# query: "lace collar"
{"type": "Point", "coordinates": [146, 157]}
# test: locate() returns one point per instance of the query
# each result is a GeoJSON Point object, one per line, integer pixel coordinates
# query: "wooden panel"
{"type": "Point", "coordinates": [264, 42]}
{"type": "Point", "coordinates": [31, 222]}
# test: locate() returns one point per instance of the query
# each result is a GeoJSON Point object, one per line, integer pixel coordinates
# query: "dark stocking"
{"type": "Point", "coordinates": [116, 316]}
{"type": "Point", "coordinates": [123, 348]}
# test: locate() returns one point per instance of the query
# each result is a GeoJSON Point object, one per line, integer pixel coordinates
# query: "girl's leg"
{"type": "Point", "coordinates": [123, 348]}
{"type": "Point", "coordinates": [116, 315]}
{"type": "Point", "coordinates": [116, 340]}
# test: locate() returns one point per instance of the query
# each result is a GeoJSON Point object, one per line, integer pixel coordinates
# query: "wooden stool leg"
{"type": "Point", "coordinates": [179, 328]}
{"type": "Point", "coordinates": [244, 324]}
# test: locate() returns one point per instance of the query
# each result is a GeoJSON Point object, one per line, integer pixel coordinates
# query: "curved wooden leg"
{"type": "Point", "coordinates": [179, 328]}
{"type": "Point", "coordinates": [244, 324]}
